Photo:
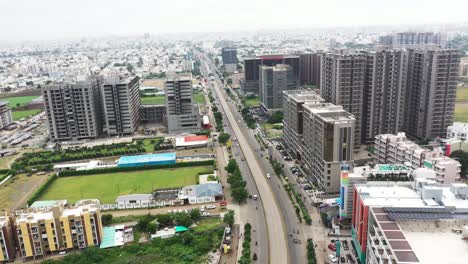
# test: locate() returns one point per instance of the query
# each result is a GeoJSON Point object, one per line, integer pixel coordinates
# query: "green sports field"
{"type": "Point", "coordinates": [153, 100]}
{"type": "Point", "coordinates": [21, 100]}
{"type": "Point", "coordinates": [106, 187]}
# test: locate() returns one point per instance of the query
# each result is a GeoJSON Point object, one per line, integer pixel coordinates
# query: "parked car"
{"type": "Point", "coordinates": [332, 247]}
{"type": "Point", "coordinates": [210, 206]}
{"type": "Point", "coordinates": [332, 258]}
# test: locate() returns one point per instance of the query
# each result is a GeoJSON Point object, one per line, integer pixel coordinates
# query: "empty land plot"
{"type": "Point", "coordinates": [153, 100]}
{"type": "Point", "coordinates": [462, 94]}
{"type": "Point", "coordinates": [18, 101]}
{"type": "Point", "coordinates": [107, 186]}
{"type": "Point", "coordinates": [461, 112]}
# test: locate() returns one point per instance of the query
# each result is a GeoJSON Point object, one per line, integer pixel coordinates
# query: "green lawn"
{"type": "Point", "coordinates": [17, 115]}
{"type": "Point", "coordinates": [106, 187]}
{"type": "Point", "coordinates": [149, 147]}
{"type": "Point", "coordinates": [22, 100]}
{"type": "Point", "coordinates": [461, 112]}
{"type": "Point", "coordinates": [271, 131]}
{"type": "Point", "coordinates": [462, 94]}
{"type": "Point", "coordinates": [209, 223]}
{"type": "Point", "coordinates": [153, 100]}
{"type": "Point", "coordinates": [199, 98]}
{"type": "Point", "coordinates": [252, 101]}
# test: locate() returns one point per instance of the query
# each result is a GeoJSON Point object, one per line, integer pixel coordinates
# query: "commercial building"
{"type": "Point", "coordinates": [250, 83]}
{"type": "Point", "coordinates": [229, 56]}
{"type": "Point", "coordinates": [201, 193]}
{"type": "Point", "coordinates": [273, 81]}
{"type": "Point", "coordinates": [393, 222]}
{"type": "Point", "coordinates": [458, 131]}
{"type": "Point", "coordinates": [191, 141]}
{"type": "Point", "coordinates": [121, 105]}
{"type": "Point", "coordinates": [328, 143]}
{"type": "Point", "coordinates": [310, 68]}
{"type": "Point", "coordinates": [7, 242]}
{"type": "Point", "coordinates": [153, 114]}
{"type": "Point", "coordinates": [411, 39]}
{"type": "Point", "coordinates": [45, 232]}
{"type": "Point", "coordinates": [293, 121]}
{"type": "Point", "coordinates": [147, 160]}
{"type": "Point", "coordinates": [5, 115]}
{"type": "Point", "coordinates": [380, 87]}
{"type": "Point", "coordinates": [73, 109]}
{"type": "Point", "coordinates": [182, 114]}
{"type": "Point", "coordinates": [397, 149]}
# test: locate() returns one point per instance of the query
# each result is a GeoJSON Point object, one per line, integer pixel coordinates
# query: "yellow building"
{"type": "Point", "coordinates": [7, 244]}
{"type": "Point", "coordinates": [45, 232]}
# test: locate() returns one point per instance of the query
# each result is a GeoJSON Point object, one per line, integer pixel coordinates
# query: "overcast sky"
{"type": "Point", "coordinates": [46, 19]}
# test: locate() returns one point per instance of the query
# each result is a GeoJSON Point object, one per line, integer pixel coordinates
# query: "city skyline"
{"type": "Point", "coordinates": [59, 20]}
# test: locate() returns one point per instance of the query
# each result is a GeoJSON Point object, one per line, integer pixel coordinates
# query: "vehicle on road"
{"type": "Point", "coordinates": [332, 258]}
{"type": "Point", "coordinates": [268, 175]}
{"type": "Point", "coordinates": [255, 256]}
{"type": "Point", "coordinates": [332, 247]}
{"type": "Point", "coordinates": [255, 197]}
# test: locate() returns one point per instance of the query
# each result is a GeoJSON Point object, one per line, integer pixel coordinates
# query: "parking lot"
{"type": "Point", "coordinates": [347, 254]}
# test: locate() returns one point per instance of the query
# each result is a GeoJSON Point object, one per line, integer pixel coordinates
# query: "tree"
{"type": "Point", "coordinates": [231, 166]}
{"type": "Point", "coordinates": [164, 219]}
{"type": "Point", "coordinates": [195, 214]}
{"type": "Point", "coordinates": [183, 219]}
{"type": "Point", "coordinates": [240, 194]}
{"type": "Point", "coordinates": [276, 117]}
{"type": "Point", "coordinates": [229, 217]}
{"type": "Point", "coordinates": [461, 157]}
{"type": "Point", "coordinates": [223, 138]}
{"type": "Point", "coordinates": [106, 219]}
{"type": "Point", "coordinates": [152, 227]}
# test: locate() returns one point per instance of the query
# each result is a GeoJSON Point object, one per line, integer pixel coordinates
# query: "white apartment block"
{"type": "Point", "coordinates": [397, 149]}
{"type": "Point", "coordinates": [458, 130]}
{"type": "Point", "coordinates": [5, 115]}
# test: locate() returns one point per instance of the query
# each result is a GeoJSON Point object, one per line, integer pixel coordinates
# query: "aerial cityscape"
{"type": "Point", "coordinates": [225, 132]}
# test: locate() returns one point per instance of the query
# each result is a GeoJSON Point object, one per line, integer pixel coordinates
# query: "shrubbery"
{"type": "Point", "coordinates": [246, 250]}
{"type": "Point", "coordinates": [238, 190]}
{"type": "Point", "coordinates": [311, 259]}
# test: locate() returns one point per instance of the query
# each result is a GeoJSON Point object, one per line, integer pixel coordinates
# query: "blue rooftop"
{"type": "Point", "coordinates": [147, 160]}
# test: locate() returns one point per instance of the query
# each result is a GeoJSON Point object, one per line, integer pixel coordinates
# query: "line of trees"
{"type": "Point", "coordinates": [238, 190]}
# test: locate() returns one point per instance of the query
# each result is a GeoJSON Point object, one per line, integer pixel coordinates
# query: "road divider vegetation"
{"type": "Point", "coordinates": [246, 250]}
{"type": "Point", "coordinates": [238, 190]}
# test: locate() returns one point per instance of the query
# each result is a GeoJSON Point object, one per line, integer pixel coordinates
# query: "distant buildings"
{"type": "Point", "coordinates": [182, 114]}
{"type": "Point", "coordinates": [229, 56]}
{"type": "Point", "coordinates": [45, 232]}
{"type": "Point", "coordinates": [464, 67]}
{"type": "Point", "coordinates": [273, 81]}
{"type": "Point", "coordinates": [5, 115]}
{"type": "Point", "coordinates": [397, 149]}
{"type": "Point", "coordinates": [409, 39]}
{"type": "Point", "coordinates": [327, 143]}
{"type": "Point", "coordinates": [250, 84]}
{"type": "Point", "coordinates": [310, 68]}
{"type": "Point", "coordinates": [458, 130]}
{"type": "Point", "coordinates": [121, 105]}
{"type": "Point", "coordinates": [381, 87]}
{"type": "Point", "coordinates": [73, 110]}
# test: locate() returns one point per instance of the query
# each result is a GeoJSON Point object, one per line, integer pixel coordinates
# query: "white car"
{"type": "Point", "coordinates": [332, 258]}
{"type": "Point", "coordinates": [268, 175]}
{"type": "Point", "coordinates": [211, 206]}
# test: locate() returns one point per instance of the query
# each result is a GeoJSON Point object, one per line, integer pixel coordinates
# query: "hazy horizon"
{"type": "Point", "coordinates": [31, 20]}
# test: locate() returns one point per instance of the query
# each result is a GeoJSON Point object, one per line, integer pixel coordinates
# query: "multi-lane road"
{"type": "Point", "coordinates": [281, 222]}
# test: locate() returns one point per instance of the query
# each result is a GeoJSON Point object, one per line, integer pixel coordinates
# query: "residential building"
{"type": "Point", "coordinates": [310, 68]}
{"type": "Point", "coordinates": [409, 39]}
{"type": "Point", "coordinates": [42, 232]}
{"type": "Point", "coordinates": [7, 242]}
{"type": "Point", "coordinates": [73, 109]}
{"type": "Point", "coordinates": [397, 149]}
{"type": "Point", "coordinates": [464, 67]}
{"type": "Point", "coordinates": [229, 56]}
{"type": "Point", "coordinates": [392, 222]}
{"type": "Point", "coordinates": [121, 105]}
{"type": "Point", "coordinates": [182, 114]}
{"type": "Point", "coordinates": [458, 130]}
{"type": "Point", "coordinates": [342, 82]}
{"type": "Point", "coordinates": [328, 143]}
{"type": "Point", "coordinates": [81, 226]}
{"type": "Point", "coordinates": [431, 93]}
{"type": "Point", "coordinates": [6, 118]}
{"type": "Point", "coordinates": [293, 121]}
{"type": "Point", "coordinates": [250, 83]}
{"type": "Point", "coordinates": [273, 81]}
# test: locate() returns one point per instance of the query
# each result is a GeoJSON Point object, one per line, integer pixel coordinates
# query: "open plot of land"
{"type": "Point", "coordinates": [153, 82]}
{"type": "Point", "coordinates": [199, 98]}
{"type": "Point", "coordinates": [462, 94]}
{"type": "Point", "coordinates": [17, 115]}
{"type": "Point", "coordinates": [21, 100]}
{"type": "Point", "coordinates": [273, 130]}
{"type": "Point", "coordinates": [20, 186]}
{"type": "Point", "coordinates": [461, 112]}
{"type": "Point", "coordinates": [252, 101]}
{"type": "Point", "coordinates": [152, 100]}
{"type": "Point", "coordinates": [107, 186]}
